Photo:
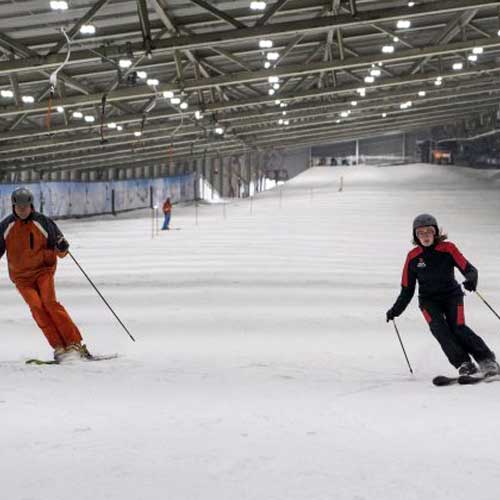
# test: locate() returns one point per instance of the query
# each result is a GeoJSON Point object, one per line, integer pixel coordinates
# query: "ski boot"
{"type": "Point", "coordinates": [467, 368]}
{"type": "Point", "coordinates": [489, 367]}
{"type": "Point", "coordinates": [73, 352]}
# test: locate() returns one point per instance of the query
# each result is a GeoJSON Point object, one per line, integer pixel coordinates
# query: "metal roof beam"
{"type": "Point", "coordinates": [451, 30]}
{"type": "Point", "coordinates": [320, 115]}
{"type": "Point", "coordinates": [270, 11]}
{"type": "Point", "coordinates": [142, 11]}
{"type": "Point", "coordinates": [144, 92]}
{"type": "Point", "coordinates": [226, 37]}
{"type": "Point", "coordinates": [374, 127]}
{"type": "Point", "coordinates": [76, 27]}
{"type": "Point", "coordinates": [219, 13]}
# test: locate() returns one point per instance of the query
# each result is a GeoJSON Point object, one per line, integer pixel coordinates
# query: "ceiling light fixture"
{"type": "Point", "coordinates": [87, 29]}
{"type": "Point", "coordinates": [125, 63]}
{"type": "Point", "coordinates": [273, 56]}
{"type": "Point", "coordinates": [403, 24]}
{"type": "Point", "coordinates": [265, 44]}
{"type": "Point", "coordinates": [55, 5]}
{"type": "Point", "coordinates": [258, 5]}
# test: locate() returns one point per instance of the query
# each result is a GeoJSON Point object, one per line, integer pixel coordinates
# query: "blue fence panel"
{"type": "Point", "coordinates": [63, 199]}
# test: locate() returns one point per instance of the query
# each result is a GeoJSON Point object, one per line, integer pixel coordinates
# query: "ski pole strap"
{"type": "Point", "coordinates": [487, 305]}
{"type": "Point", "coordinates": [402, 346]}
{"type": "Point", "coordinates": [100, 295]}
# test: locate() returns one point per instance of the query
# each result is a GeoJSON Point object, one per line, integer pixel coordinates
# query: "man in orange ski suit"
{"type": "Point", "coordinates": [33, 242]}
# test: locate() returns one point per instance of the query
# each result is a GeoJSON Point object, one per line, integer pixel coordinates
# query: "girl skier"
{"type": "Point", "coordinates": [432, 264]}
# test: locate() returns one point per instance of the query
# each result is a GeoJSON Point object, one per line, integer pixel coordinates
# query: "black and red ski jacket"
{"type": "Point", "coordinates": [434, 269]}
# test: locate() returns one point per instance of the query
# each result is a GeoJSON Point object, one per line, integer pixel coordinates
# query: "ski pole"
{"type": "Point", "coordinates": [402, 346]}
{"type": "Point", "coordinates": [487, 305]}
{"type": "Point", "coordinates": [100, 295]}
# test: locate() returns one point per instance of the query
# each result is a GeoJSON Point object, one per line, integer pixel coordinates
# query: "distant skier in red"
{"type": "Point", "coordinates": [431, 263]}
{"type": "Point", "coordinates": [33, 243]}
{"type": "Point", "coordinates": [167, 211]}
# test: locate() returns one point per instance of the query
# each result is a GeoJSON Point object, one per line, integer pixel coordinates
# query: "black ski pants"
{"type": "Point", "coordinates": [447, 323]}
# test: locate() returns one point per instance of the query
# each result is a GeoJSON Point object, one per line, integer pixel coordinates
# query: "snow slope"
{"type": "Point", "coordinates": [263, 367]}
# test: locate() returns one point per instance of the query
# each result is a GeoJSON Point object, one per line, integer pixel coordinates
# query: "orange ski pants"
{"type": "Point", "coordinates": [54, 321]}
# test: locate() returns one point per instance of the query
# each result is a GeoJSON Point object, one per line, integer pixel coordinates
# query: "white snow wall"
{"type": "Point", "coordinates": [74, 199]}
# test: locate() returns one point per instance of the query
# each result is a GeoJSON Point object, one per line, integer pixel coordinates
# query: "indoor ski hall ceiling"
{"type": "Point", "coordinates": [175, 78]}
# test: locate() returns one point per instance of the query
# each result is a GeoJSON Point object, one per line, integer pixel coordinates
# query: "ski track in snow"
{"type": "Point", "coordinates": [263, 367]}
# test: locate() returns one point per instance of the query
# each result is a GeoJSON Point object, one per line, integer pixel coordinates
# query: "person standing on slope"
{"type": "Point", "coordinates": [431, 263]}
{"type": "Point", "coordinates": [167, 211]}
{"type": "Point", "coordinates": [33, 243]}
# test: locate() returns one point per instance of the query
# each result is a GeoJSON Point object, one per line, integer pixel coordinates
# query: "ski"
{"type": "Point", "coordinates": [35, 361]}
{"type": "Point", "coordinates": [443, 380]}
{"type": "Point", "coordinates": [471, 379]}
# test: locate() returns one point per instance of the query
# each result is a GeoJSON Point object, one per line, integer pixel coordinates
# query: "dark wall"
{"type": "Point", "coordinates": [375, 150]}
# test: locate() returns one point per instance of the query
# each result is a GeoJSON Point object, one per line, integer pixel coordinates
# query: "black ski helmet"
{"type": "Point", "coordinates": [424, 220]}
{"type": "Point", "coordinates": [22, 196]}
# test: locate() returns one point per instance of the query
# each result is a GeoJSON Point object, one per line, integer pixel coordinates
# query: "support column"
{"type": "Point", "coordinates": [213, 169]}
{"type": "Point", "coordinates": [221, 176]}
{"type": "Point", "coordinates": [249, 171]}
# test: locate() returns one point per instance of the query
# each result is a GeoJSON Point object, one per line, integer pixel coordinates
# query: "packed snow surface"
{"type": "Point", "coordinates": [263, 368]}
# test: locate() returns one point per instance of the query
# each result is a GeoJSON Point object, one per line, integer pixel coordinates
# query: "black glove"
{"type": "Point", "coordinates": [390, 315]}
{"type": "Point", "coordinates": [62, 245]}
{"type": "Point", "coordinates": [470, 285]}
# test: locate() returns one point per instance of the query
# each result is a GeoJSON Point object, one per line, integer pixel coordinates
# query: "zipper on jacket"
{"type": "Point", "coordinates": [32, 241]}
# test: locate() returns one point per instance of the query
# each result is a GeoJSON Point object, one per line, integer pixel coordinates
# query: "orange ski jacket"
{"type": "Point", "coordinates": [167, 207]}
{"type": "Point", "coordinates": [30, 245]}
